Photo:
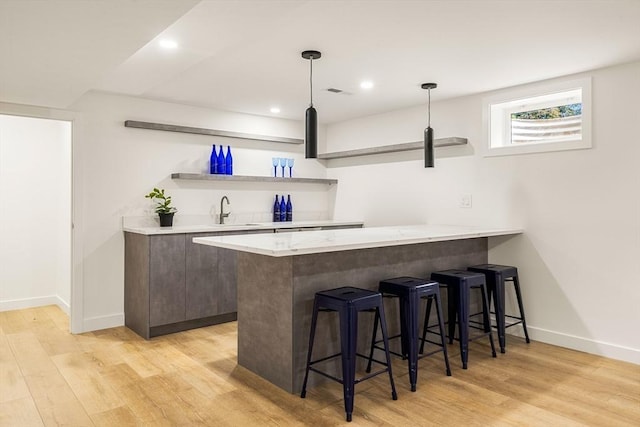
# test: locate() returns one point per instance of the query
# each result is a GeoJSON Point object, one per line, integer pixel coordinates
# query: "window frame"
{"type": "Point", "coordinates": [497, 125]}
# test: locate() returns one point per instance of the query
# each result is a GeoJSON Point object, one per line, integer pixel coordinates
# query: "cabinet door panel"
{"type": "Point", "coordinates": [167, 279]}
{"type": "Point", "coordinates": [227, 276]}
{"type": "Point", "coordinates": [211, 277]}
{"type": "Point", "coordinates": [202, 279]}
{"type": "Point", "coordinates": [136, 283]}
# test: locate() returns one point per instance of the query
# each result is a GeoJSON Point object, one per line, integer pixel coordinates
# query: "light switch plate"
{"type": "Point", "coordinates": [466, 201]}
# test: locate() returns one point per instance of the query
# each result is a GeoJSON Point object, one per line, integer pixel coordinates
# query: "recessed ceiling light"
{"type": "Point", "coordinates": [168, 44]}
{"type": "Point", "coordinates": [275, 110]}
{"type": "Point", "coordinates": [367, 84]}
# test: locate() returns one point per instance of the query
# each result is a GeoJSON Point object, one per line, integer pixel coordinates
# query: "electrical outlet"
{"type": "Point", "coordinates": [465, 201]}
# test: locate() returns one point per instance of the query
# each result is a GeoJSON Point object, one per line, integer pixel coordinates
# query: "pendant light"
{"type": "Point", "coordinates": [311, 117]}
{"type": "Point", "coordinates": [428, 132]}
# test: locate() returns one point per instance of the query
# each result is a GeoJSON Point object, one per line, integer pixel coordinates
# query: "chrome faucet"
{"type": "Point", "coordinates": [222, 214]}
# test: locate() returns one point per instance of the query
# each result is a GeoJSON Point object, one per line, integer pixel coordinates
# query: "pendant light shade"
{"type": "Point", "coordinates": [311, 117]}
{"type": "Point", "coordinates": [311, 134]}
{"type": "Point", "coordinates": [428, 132]}
{"type": "Point", "coordinates": [428, 148]}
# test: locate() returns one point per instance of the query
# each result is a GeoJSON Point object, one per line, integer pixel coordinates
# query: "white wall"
{"type": "Point", "coordinates": [120, 165]}
{"type": "Point", "coordinates": [579, 255]}
{"type": "Point", "coordinates": [35, 212]}
{"type": "Point", "coordinates": [580, 209]}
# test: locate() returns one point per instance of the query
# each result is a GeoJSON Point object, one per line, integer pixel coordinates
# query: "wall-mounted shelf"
{"type": "Point", "coordinates": [441, 142]}
{"type": "Point", "coordinates": [211, 132]}
{"type": "Point", "coordinates": [241, 178]}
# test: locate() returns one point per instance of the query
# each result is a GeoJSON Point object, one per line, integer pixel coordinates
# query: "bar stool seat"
{"type": "Point", "coordinates": [348, 302]}
{"type": "Point", "coordinates": [459, 284]}
{"type": "Point", "coordinates": [411, 291]}
{"type": "Point", "coordinates": [496, 277]}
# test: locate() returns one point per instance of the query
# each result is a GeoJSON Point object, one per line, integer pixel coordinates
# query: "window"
{"type": "Point", "coordinates": [539, 118]}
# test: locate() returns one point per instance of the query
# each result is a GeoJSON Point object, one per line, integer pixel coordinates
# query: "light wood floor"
{"type": "Point", "coordinates": [115, 378]}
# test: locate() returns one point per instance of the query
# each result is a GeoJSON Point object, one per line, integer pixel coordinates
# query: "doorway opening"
{"type": "Point", "coordinates": [35, 212]}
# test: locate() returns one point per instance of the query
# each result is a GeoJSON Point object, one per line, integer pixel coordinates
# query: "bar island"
{"type": "Point", "coordinates": [279, 274]}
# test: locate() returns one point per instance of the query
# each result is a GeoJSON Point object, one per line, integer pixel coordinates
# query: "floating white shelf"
{"type": "Point", "coordinates": [244, 178]}
{"type": "Point", "coordinates": [212, 132]}
{"type": "Point", "coordinates": [383, 149]}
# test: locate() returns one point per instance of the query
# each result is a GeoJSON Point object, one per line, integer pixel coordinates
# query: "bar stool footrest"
{"type": "Point", "coordinates": [341, 380]}
{"type": "Point", "coordinates": [377, 347]}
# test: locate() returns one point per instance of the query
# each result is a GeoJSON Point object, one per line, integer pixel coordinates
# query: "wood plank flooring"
{"type": "Point", "coordinates": [115, 378]}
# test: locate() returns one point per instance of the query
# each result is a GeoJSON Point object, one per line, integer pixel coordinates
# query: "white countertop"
{"type": "Point", "coordinates": [311, 242]}
{"type": "Point", "coordinates": [214, 228]}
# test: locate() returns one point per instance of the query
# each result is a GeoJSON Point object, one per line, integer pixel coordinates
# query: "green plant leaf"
{"type": "Point", "coordinates": [163, 202]}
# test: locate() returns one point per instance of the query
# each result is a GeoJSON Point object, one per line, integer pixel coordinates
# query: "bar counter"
{"type": "Point", "coordinates": [279, 274]}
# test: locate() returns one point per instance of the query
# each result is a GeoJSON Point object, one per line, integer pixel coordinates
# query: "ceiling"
{"type": "Point", "coordinates": [245, 55]}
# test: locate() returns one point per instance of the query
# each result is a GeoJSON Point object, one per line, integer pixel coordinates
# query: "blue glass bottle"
{"type": "Point", "coordinates": [276, 210]}
{"type": "Point", "coordinates": [228, 160]}
{"type": "Point", "coordinates": [283, 209]}
{"type": "Point", "coordinates": [222, 170]}
{"type": "Point", "coordinates": [213, 161]}
{"type": "Point", "coordinates": [289, 208]}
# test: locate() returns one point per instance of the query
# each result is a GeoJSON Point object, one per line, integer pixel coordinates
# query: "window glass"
{"type": "Point", "coordinates": [544, 120]}
{"type": "Point", "coordinates": [560, 123]}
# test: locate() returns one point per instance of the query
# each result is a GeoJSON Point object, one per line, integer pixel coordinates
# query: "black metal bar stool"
{"type": "Point", "coordinates": [411, 290]}
{"type": "Point", "coordinates": [348, 302]}
{"type": "Point", "coordinates": [496, 276]}
{"type": "Point", "coordinates": [459, 284]}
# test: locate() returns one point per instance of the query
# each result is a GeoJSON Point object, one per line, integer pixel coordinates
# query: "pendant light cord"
{"type": "Point", "coordinates": [429, 109]}
{"type": "Point", "coordinates": [311, 80]}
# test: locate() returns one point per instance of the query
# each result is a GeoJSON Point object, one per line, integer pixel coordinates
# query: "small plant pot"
{"type": "Point", "coordinates": [166, 219]}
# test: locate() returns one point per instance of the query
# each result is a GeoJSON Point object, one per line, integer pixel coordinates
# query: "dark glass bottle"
{"type": "Point", "coordinates": [283, 209]}
{"type": "Point", "coordinates": [228, 160]}
{"type": "Point", "coordinates": [222, 170]}
{"type": "Point", "coordinates": [289, 208]}
{"type": "Point", "coordinates": [213, 161]}
{"type": "Point", "coordinates": [276, 210]}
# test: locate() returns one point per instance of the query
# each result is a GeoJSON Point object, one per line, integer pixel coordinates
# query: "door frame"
{"type": "Point", "coordinates": [76, 306]}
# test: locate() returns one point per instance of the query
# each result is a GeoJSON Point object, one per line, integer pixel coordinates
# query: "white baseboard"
{"type": "Point", "coordinates": [599, 348]}
{"type": "Point", "coordinates": [64, 305]}
{"type": "Point", "coordinates": [17, 304]}
{"type": "Point", "coordinates": [574, 342]}
{"type": "Point", "coordinates": [89, 324]}
{"type": "Point", "coordinates": [103, 322]}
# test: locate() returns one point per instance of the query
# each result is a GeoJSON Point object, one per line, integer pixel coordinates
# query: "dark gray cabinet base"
{"type": "Point", "coordinates": [172, 284]}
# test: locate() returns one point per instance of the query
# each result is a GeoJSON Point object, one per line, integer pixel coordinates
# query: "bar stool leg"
{"type": "Point", "coordinates": [485, 305]}
{"type": "Point", "coordinates": [441, 326]}
{"type": "Point", "coordinates": [443, 341]}
{"type": "Point", "coordinates": [312, 334]}
{"type": "Point", "coordinates": [348, 339]}
{"type": "Point", "coordinates": [516, 284]}
{"type": "Point", "coordinates": [425, 327]}
{"type": "Point", "coordinates": [463, 324]}
{"type": "Point", "coordinates": [373, 340]}
{"type": "Point", "coordinates": [385, 338]}
{"type": "Point", "coordinates": [498, 302]}
{"type": "Point", "coordinates": [452, 301]}
{"type": "Point", "coordinates": [411, 333]}
{"type": "Point", "coordinates": [405, 327]}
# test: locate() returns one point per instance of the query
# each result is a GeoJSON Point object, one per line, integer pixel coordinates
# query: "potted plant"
{"type": "Point", "coordinates": [163, 208]}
